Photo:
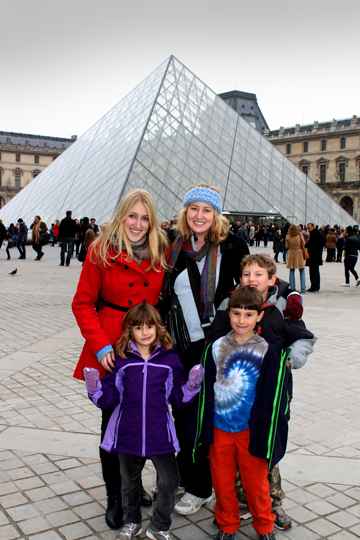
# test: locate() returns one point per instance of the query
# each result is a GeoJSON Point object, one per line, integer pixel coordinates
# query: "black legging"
{"type": "Point", "coordinates": [195, 476]}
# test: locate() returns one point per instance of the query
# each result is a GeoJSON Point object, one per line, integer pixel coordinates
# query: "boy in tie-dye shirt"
{"type": "Point", "coordinates": [245, 416]}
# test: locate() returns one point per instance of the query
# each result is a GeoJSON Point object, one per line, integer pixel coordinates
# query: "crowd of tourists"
{"type": "Point", "coordinates": [74, 236]}
{"type": "Point", "coordinates": [182, 315]}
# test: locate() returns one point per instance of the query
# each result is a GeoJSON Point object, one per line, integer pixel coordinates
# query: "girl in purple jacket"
{"type": "Point", "coordinates": [148, 376]}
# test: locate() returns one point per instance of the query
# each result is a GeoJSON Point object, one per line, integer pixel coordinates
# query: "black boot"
{"type": "Point", "coordinates": [114, 511]}
{"type": "Point", "coordinates": [146, 500]}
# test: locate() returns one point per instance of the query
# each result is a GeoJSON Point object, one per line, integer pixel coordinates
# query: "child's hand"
{"type": "Point", "coordinates": [294, 308]}
{"type": "Point", "coordinates": [91, 379]}
{"type": "Point", "coordinates": [195, 377]}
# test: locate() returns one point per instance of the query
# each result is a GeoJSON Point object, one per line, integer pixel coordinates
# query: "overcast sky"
{"type": "Point", "coordinates": [65, 64]}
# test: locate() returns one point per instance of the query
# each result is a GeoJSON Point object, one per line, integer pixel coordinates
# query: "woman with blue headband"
{"type": "Point", "coordinates": [204, 264]}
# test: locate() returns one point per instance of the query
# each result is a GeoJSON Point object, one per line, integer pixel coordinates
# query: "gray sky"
{"type": "Point", "coordinates": [65, 64]}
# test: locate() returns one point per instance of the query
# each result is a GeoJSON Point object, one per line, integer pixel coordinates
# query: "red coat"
{"type": "Point", "coordinates": [124, 284]}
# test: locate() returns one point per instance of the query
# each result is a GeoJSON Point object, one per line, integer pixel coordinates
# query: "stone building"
{"type": "Point", "coordinates": [329, 153]}
{"type": "Point", "coordinates": [23, 157]}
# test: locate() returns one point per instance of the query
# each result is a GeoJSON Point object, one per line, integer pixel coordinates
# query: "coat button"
{"type": "Point", "coordinates": [131, 284]}
{"type": "Point", "coordinates": [146, 284]}
{"type": "Point", "coordinates": [126, 267]}
{"type": "Point", "coordinates": [129, 302]}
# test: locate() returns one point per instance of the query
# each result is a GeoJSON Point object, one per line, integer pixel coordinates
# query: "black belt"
{"type": "Point", "coordinates": [121, 308]}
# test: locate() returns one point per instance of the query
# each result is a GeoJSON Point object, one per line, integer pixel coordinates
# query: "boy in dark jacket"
{"type": "Point", "coordinates": [259, 271]}
{"type": "Point", "coordinates": [250, 415]}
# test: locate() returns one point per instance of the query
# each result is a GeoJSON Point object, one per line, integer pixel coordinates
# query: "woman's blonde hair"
{"type": "Point", "coordinates": [89, 238]}
{"type": "Point", "coordinates": [137, 316]}
{"type": "Point", "coordinates": [293, 231]}
{"type": "Point", "coordinates": [219, 229]}
{"type": "Point", "coordinates": [113, 233]}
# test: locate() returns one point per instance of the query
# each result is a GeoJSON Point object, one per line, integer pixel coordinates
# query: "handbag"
{"type": "Point", "coordinates": [5, 244]}
{"type": "Point", "coordinates": [175, 322]}
{"type": "Point", "coordinates": [305, 253]}
{"type": "Point", "coordinates": [45, 238]}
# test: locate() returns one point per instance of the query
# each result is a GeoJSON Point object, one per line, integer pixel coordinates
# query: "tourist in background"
{"type": "Point", "coordinates": [22, 238]}
{"type": "Point", "coordinates": [340, 246]}
{"type": "Point", "coordinates": [277, 243]}
{"type": "Point", "coordinates": [330, 245]}
{"type": "Point", "coordinates": [295, 258]}
{"type": "Point", "coordinates": [352, 245]}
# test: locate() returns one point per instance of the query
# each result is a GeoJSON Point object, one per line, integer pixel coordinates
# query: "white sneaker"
{"type": "Point", "coordinates": [189, 504]}
{"type": "Point", "coordinates": [345, 284]}
{"type": "Point", "coordinates": [129, 531]}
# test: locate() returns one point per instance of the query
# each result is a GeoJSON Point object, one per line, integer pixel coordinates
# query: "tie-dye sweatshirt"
{"type": "Point", "coordinates": [238, 368]}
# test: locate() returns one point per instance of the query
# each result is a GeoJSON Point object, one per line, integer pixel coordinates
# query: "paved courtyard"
{"type": "Point", "coordinates": [50, 481]}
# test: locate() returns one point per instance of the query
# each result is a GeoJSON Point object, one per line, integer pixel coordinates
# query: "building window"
{"type": "Point", "coordinates": [2, 202]}
{"type": "Point", "coordinates": [0, 178]}
{"type": "Point", "coordinates": [36, 159]}
{"type": "Point", "coordinates": [342, 143]}
{"type": "Point", "coordinates": [323, 145]}
{"type": "Point", "coordinates": [306, 146]}
{"type": "Point", "coordinates": [305, 169]}
{"type": "Point", "coordinates": [17, 158]}
{"type": "Point", "coordinates": [342, 172]}
{"type": "Point", "coordinates": [54, 158]}
{"type": "Point", "coordinates": [35, 174]}
{"type": "Point", "coordinates": [17, 179]}
{"type": "Point", "coordinates": [288, 148]}
{"type": "Point", "coordinates": [322, 174]}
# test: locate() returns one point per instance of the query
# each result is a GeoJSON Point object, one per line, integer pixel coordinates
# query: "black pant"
{"type": "Point", "coordinates": [167, 481]}
{"type": "Point", "coordinates": [349, 264]}
{"type": "Point", "coordinates": [21, 248]}
{"type": "Point", "coordinates": [265, 240]}
{"type": "Point", "coordinates": [195, 476]}
{"type": "Point", "coordinates": [38, 249]}
{"type": "Point", "coordinates": [314, 274]}
{"type": "Point", "coordinates": [109, 462]}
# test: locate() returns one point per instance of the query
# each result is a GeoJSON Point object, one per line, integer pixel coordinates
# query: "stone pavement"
{"type": "Point", "coordinates": [50, 481]}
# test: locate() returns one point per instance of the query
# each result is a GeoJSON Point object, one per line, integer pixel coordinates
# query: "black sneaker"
{"type": "Point", "coordinates": [267, 536]}
{"type": "Point", "coordinates": [222, 535]}
{"type": "Point", "coordinates": [282, 520]}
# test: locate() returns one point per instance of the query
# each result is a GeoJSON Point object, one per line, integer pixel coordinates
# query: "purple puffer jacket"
{"type": "Point", "coordinates": [140, 390]}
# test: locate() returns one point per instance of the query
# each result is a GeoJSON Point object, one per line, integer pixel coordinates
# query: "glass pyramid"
{"type": "Point", "coordinates": [169, 133]}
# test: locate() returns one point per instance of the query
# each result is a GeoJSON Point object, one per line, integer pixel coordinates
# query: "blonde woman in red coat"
{"type": "Point", "coordinates": [125, 266]}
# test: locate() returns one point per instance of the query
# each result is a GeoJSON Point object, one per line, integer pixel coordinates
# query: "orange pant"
{"type": "Point", "coordinates": [229, 451]}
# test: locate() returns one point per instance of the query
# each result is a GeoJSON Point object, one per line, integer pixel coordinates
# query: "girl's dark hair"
{"type": "Point", "coordinates": [89, 238]}
{"type": "Point", "coordinates": [247, 298]}
{"type": "Point", "coordinates": [137, 316]}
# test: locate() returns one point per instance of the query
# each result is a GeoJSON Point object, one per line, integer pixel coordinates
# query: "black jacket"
{"type": "Point", "coordinates": [67, 228]}
{"type": "Point", "coordinates": [280, 332]}
{"type": "Point", "coordinates": [270, 413]}
{"type": "Point", "coordinates": [352, 245]}
{"type": "Point", "coordinates": [315, 248]}
{"type": "Point", "coordinates": [233, 250]}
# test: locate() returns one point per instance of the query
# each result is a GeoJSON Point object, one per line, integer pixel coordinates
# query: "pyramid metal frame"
{"type": "Point", "coordinates": [171, 132]}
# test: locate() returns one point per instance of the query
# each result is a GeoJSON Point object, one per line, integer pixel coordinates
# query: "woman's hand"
{"type": "Point", "coordinates": [108, 361]}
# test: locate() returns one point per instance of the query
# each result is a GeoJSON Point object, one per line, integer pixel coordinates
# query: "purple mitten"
{"type": "Point", "coordinates": [91, 379]}
{"type": "Point", "coordinates": [195, 377]}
